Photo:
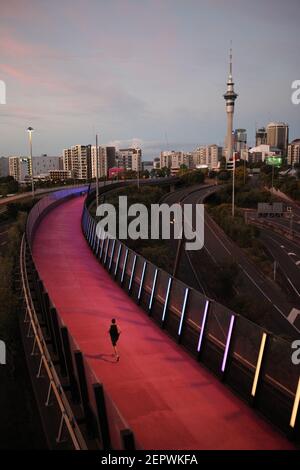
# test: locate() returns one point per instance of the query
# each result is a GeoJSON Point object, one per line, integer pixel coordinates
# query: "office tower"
{"type": "Point", "coordinates": [278, 136]}
{"type": "Point", "coordinates": [240, 140]}
{"type": "Point", "coordinates": [261, 136]}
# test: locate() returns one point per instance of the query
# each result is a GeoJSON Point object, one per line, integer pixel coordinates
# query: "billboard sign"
{"type": "Point", "coordinates": [274, 161]}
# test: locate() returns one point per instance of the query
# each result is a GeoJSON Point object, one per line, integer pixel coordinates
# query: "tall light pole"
{"type": "Point", "coordinates": [233, 187]}
{"type": "Point", "coordinates": [30, 130]}
{"type": "Point", "coordinates": [97, 172]}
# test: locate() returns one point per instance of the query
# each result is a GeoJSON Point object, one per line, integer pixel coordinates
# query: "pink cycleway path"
{"type": "Point", "coordinates": [168, 400]}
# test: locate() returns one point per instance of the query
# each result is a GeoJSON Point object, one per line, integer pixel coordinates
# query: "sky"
{"type": "Point", "coordinates": [143, 72]}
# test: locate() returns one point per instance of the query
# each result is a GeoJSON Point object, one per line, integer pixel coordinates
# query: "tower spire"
{"type": "Point", "coordinates": [230, 60]}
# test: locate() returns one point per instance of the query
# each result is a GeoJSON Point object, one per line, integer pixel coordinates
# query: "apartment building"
{"type": "Point", "coordinates": [209, 155]}
{"type": "Point", "coordinates": [294, 152]}
{"type": "Point", "coordinates": [129, 159]}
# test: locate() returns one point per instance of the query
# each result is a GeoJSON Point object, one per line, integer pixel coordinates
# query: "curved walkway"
{"type": "Point", "coordinates": [169, 401]}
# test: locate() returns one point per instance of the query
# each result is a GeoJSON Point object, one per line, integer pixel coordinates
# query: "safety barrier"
{"type": "Point", "coordinates": [252, 361]}
{"type": "Point", "coordinates": [60, 362]}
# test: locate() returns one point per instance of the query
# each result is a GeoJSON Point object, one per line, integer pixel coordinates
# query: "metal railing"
{"type": "Point", "coordinates": [46, 364]}
{"type": "Point", "coordinates": [252, 361]}
{"type": "Point", "coordinates": [101, 418]}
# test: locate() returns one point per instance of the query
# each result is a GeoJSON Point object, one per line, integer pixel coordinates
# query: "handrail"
{"type": "Point", "coordinates": [67, 416]}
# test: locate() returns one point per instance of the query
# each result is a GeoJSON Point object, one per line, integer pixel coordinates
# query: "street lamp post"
{"type": "Point", "coordinates": [30, 130]}
{"type": "Point", "coordinates": [233, 187]}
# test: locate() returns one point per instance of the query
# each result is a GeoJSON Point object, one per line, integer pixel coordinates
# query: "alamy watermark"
{"type": "Point", "coordinates": [2, 92]}
{"type": "Point", "coordinates": [296, 353]}
{"type": "Point", "coordinates": [2, 353]}
{"type": "Point", "coordinates": [296, 94]}
{"type": "Point", "coordinates": [184, 221]}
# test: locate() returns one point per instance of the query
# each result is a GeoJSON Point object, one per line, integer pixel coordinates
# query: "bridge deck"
{"type": "Point", "coordinates": [169, 401]}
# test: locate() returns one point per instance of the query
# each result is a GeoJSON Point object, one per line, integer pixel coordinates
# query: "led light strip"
{"type": "Point", "coordinates": [132, 273]}
{"type": "Point", "coordinates": [187, 290]}
{"type": "Point", "coordinates": [153, 289]}
{"type": "Point", "coordinates": [98, 244]}
{"type": "Point", "coordinates": [166, 299]}
{"type": "Point", "coordinates": [106, 249]}
{"type": "Point", "coordinates": [203, 326]}
{"type": "Point", "coordinates": [259, 361]}
{"type": "Point", "coordinates": [112, 254]}
{"type": "Point", "coordinates": [124, 265]}
{"type": "Point", "coordinates": [295, 406]}
{"type": "Point", "coordinates": [229, 335]}
{"type": "Point", "coordinates": [102, 245]}
{"type": "Point", "coordinates": [118, 259]}
{"type": "Point", "coordinates": [142, 280]}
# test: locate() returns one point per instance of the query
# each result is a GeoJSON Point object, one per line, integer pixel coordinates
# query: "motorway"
{"type": "Point", "coordinates": [252, 283]}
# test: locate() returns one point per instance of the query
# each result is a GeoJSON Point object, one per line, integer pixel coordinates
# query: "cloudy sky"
{"type": "Point", "coordinates": [151, 72]}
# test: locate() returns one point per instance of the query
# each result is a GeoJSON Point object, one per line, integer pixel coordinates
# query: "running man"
{"type": "Point", "coordinates": [114, 332]}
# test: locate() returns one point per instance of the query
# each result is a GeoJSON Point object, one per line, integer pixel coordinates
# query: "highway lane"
{"type": "Point", "coordinates": [287, 255]}
{"type": "Point", "coordinates": [252, 282]}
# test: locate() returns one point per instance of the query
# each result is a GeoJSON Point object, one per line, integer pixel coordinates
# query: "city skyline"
{"type": "Point", "coordinates": [159, 87]}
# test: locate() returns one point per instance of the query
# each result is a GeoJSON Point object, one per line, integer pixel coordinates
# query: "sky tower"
{"type": "Point", "coordinates": [230, 96]}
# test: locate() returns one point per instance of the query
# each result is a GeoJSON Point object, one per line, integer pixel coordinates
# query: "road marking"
{"type": "Point", "coordinates": [297, 263]}
{"type": "Point", "coordinates": [295, 288]}
{"type": "Point", "coordinates": [293, 315]}
{"type": "Point", "coordinates": [291, 253]}
{"type": "Point", "coordinates": [281, 246]}
{"type": "Point", "coordinates": [255, 283]}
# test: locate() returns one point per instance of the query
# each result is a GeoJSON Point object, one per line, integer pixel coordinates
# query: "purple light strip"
{"type": "Point", "coordinates": [228, 342]}
{"type": "Point", "coordinates": [203, 326]}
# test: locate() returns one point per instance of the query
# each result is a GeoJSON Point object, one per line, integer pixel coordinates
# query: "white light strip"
{"type": "Point", "coordinates": [203, 326]}
{"type": "Point", "coordinates": [295, 406]}
{"type": "Point", "coordinates": [259, 361]}
{"type": "Point", "coordinates": [166, 299]}
{"type": "Point", "coordinates": [112, 254]}
{"type": "Point", "coordinates": [132, 272]}
{"type": "Point", "coordinates": [118, 259]}
{"type": "Point", "coordinates": [229, 336]}
{"type": "Point", "coordinates": [142, 280]}
{"type": "Point", "coordinates": [153, 288]}
{"type": "Point", "coordinates": [102, 246]}
{"type": "Point", "coordinates": [187, 290]}
{"type": "Point", "coordinates": [124, 265]}
{"type": "Point", "coordinates": [107, 248]}
{"type": "Point", "coordinates": [98, 244]}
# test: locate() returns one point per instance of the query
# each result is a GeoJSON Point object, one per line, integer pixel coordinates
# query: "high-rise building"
{"type": "Point", "coordinates": [78, 160]}
{"type": "Point", "coordinates": [294, 152]}
{"type": "Point", "coordinates": [230, 96]}
{"type": "Point", "coordinates": [261, 136]}
{"type": "Point", "coordinates": [174, 160]}
{"type": "Point", "coordinates": [106, 160]}
{"type": "Point", "coordinates": [278, 136]}
{"type": "Point", "coordinates": [209, 155]}
{"type": "Point", "coordinates": [130, 159]}
{"type": "Point", "coordinates": [240, 140]}
{"type": "Point", "coordinates": [4, 167]}
{"type": "Point", "coordinates": [19, 168]}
